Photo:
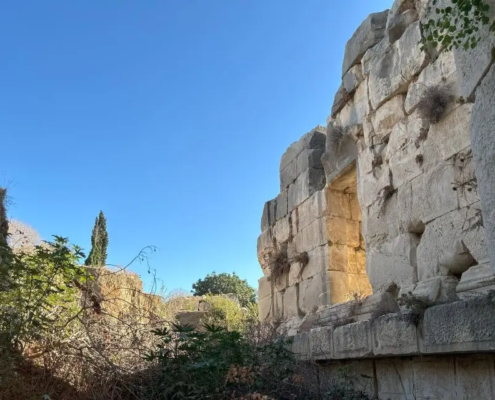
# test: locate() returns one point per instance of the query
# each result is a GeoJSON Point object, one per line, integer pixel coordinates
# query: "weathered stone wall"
{"type": "Point", "coordinates": [411, 356]}
{"type": "Point", "coordinates": [390, 200]}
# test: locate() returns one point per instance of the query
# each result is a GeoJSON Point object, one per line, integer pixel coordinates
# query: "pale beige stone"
{"type": "Point", "coordinates": [312, 209]}
{"type": "Point", "coordinates": [309, 292]}
{"type": "Point", "coordinates": [393, 69]}
{"type": "Point", "coordinates": [352, 341]}
{"type": "Point", "coordinates": [320, 340]}
{"type": "Point", "coordinates": [264, 287]}
{"type": "Point", "coordinates": [451, 134]}
{"type": "Point", "coordinates": [356, 109]}
{"type": "Point", "coordinates": [282, 230]}
{"type": "Point", "coordinates": [291, 296]}
{"type": "Point", "coordinates": [443, 74]}
{"type": "Point", "coordinates": [387, 116]}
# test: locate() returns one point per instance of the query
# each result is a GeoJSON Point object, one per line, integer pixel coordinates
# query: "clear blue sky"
{"type": "Point", "coordinates": [169, 115]}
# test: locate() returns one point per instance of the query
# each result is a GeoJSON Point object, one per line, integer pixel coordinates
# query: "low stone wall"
{"type": "Point", "coordinates": [412, 356]}
{"type": "Point", "coordinates": [445, 377]}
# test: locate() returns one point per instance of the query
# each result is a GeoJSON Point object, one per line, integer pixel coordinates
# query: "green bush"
{"type": "Point", "coordinates": [39, 290]}
{"type": "Point", "coordinates": [227, 313]}
{"type": "Point", "coordinates": [217, 364]}
{"type": "Point", "coordinates": [225, 284]}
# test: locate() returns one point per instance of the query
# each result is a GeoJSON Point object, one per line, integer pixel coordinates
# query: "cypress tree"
{"type": "Point", "coordinates": [99, 242]}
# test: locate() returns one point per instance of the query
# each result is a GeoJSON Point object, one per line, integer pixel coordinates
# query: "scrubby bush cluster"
{"type": "Point", "coordinates": [75, 331]}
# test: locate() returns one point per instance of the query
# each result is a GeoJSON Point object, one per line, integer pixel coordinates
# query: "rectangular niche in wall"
{"type": "Point", "coordinates": [347, 256]}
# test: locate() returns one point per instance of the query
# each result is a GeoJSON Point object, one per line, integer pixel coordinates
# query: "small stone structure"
{"type": "Point", "coordinates": [394, 204]}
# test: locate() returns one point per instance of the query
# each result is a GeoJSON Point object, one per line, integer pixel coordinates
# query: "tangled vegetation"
{"type": "Point", "coordinates": [433, 103]}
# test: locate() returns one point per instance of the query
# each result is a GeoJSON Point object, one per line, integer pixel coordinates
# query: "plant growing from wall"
{"type": "Point", "coordinates": [457, 25]}
{"type": "Point", "coordinates": [99, 242]}
{"type": "Point", "coordinates": [433, 103]}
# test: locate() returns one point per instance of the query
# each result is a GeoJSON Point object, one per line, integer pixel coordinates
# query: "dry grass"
{"type": "Point", "coordinates": [419, 159]}
{"type": "Point", "coordinates": [279, 264]}
{"type": "Point", "coordinates": [98, 352]}
{"type": "Point", "coordinates": [433, 103]}
{"type": "Point", "coordinates": [335, 134]}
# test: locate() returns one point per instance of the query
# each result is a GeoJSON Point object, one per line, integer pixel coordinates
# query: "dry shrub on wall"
{"type": "Point", "coordinates": [433, 103]}
{"type": "Point", "coordinates": [279, 264]}
{"type": "Point", "coordinates": [335, 134]}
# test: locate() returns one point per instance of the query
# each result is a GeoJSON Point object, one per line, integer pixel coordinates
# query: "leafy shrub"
{"type": "Point", "coordinates": [217, 364]}
{"type": "Point", "coordinates": [225, 284]}
{"type": "Point", "coordinates": [39, 288]}
{"type": "Point", "coordinates": [458, 24]}
{"type": "Point", "coordinates": [228, 313]}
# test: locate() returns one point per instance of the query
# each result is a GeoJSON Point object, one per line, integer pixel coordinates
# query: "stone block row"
{"type": "Point", "coordinates": [458, 327]}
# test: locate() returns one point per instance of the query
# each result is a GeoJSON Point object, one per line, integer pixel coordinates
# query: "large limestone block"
{"type": "Point", "coordinates": [372, 56]}
{"type": "Point", "coordinates": [312, 236]}
{"type": "Point", "coordinates": [369, 33]}
{"type": "Point", "coordinates": [395, 377]}
{"type": "Point", "coordinates": [403, 150]}
{"type": "Point", "coordinates": [353, 78]}
{"type": "Point", "coordinates": [393, 69]}
{"type": "Point", "coordinates": [300, 346]}
{"type": "Point", "coordinates": [372, 187]}
{"type": "Point", "coordinates": [431, 291]}
{"type": "Point", "coordinates": [395, 334]}
{"type": "Point", "coordinates": [352, 341]}
{"type": "Point", "coordinates": [463, 326]}
{"type": "Point", "coordinates": [473, 64]}
{"type": "Point", "coordinates": [265, 308]}
{"type": "Point", "coordinates": [356, 109]}
{"type": "Point", "coordinates": [309, 292]}
{"type": "Point", "coordinates": [282, 230]}
{"type": "Point", "coordinates": [306, 184]}
{"type": "Point", "coordinates": [377, 303]}
{"type": "Point", "coordinates": [309, 211]}
{"type": "Point", "coordinates": [474, 377]}
{"type": "Point", "coordinates": [309, 158]}
{"type": "Point", "coordinates": [479, 279]}
{"type": "Point", "coordinates": [397, 24]}
{"type": "Point", "coordinates": [269, 214]}
{"type": "Point", "coordinates": [339, 101]}
{"type": "Point", "coordinates": [393, 262]}
{"type": "Point", "coordinates": [288, 175]}
{"type": "Point", "coordinates": [265, 248]}
{"type": "Point", "coordinates": [441, 73]}
{"type": "Point", "coordinates": [320, 341]}
{"type": "Point", "coordinates": [291, 154]}
{"type": "Point", "coordinates": [380, 222]}
{"type": "Point", "coordinates": [318, 259]}
{"type": "Point", "coordinates": [335, 314]}
{"type": "Point", "coordinates": [291, 296]}
{"type": "Point", "coordinates": [315, 139]}
{"type": "Point", "coordinates": [433, 194]}
{"type": "Point", "coordinates": [278, 312]}
{"type": "Point", "coordinates": [385, 118]}
{"type": "Point", "coordinates": [338, 203]}
{"type": "Point", "coordinates": [434, 378]}
{"type": "Point", "coordinates": [483, 145]}
{"type": "Point", "coordinates": [451, 134]}
{"type": "Point", "coordinates": [265, 288]}
{"type": "Point", "coordinates": [282, 204]}
{"type": "Point", "coordinates": [439, 247]}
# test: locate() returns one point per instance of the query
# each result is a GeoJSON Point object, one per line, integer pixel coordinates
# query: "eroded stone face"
{"type": "Point", "coordinates": [386, 200]}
